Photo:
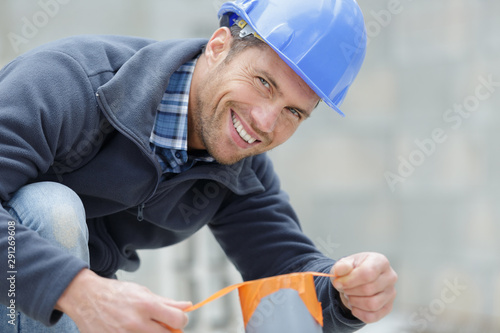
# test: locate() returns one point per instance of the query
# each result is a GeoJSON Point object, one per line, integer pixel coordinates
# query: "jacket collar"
{"type": "Point", "coordinates": [131, 97]}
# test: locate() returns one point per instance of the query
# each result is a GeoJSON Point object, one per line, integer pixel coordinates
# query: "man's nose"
{"type": "Point", "coordinates": [266, 117]}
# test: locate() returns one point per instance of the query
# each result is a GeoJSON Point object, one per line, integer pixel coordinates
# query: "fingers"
{"type": "Point", "coordinates": [369, 285]}
{"type": "Point", "coordinates": [181, 305]}
{"type": "Point", "coordinates": [342, 267]}
{"type": "Point", "coordinates": [112, 306]}
{"type": "Point", "coordinates": [168, 328]}
{"type": "Point", "coordinates": [373, 308]}
{"type": "Point", "coordinates": [366, 283]}
{"type": "Point", "coordinates": [171, 313]}
{"type": "Point", "coordinates": [366, 268]}
{"type": "Point", "coordinates": [178, 304]}
{"type": "Point", "coordinates": [159, 327]}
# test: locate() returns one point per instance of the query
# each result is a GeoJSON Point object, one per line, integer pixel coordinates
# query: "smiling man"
{"type": "Point", "coordinates": [112, 144]}
{"type": "Point", "coordinates": [244, 105]}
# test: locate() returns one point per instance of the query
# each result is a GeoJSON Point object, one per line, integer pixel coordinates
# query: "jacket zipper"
{"type": "Point", "coordinates": [140, 208]}
{"type": "Point", "coordinates": [140, 212]}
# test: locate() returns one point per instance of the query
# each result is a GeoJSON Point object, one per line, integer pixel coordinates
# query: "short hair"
{"type": "Point", "coordinates": [239, 43]}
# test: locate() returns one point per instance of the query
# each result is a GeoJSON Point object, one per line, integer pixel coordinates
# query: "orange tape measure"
{"type": "Point", "coordinates": [251, 292]}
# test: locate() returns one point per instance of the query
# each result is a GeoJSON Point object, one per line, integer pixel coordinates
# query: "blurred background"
{"type": "Point", "coordinates": [410, 172]}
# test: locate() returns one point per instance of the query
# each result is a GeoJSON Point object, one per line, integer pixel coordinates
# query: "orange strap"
{"type": "Point", "coordinates": [251, 292]}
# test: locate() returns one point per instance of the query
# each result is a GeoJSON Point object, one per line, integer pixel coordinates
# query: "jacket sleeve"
{"type": "Point", "coordinates": [43, 100]}
{"type": "Point", "coordinates": [261, 235]}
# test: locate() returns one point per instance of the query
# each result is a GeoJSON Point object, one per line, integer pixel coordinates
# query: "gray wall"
{"type": "Point", "coordinates": [410, 172]}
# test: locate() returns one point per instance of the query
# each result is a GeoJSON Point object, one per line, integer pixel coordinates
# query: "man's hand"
{"type": "Point", "coordinates": [103, 305]}
{"type": "Point", "coordinates": [366, 282]}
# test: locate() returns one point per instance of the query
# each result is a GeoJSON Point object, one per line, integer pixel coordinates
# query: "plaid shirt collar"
{"type": "Point", "coordinates": [169, 136]}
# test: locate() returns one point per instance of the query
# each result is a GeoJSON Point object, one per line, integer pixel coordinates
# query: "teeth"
{"type": "Point", "coordinates": [241, 131]}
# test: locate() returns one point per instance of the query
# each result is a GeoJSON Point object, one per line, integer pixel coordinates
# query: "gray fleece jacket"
{"type": "Point", "coordinates": [79, 111]}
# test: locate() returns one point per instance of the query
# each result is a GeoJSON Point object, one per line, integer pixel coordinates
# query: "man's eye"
{"type": "Point", "coordinates": [264, 83]}
{"type": "Point", "coordinates": [295, 112]}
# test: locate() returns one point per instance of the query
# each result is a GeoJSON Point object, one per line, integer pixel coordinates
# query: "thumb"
{"type": "Point", "coordinates": [343, 267]}
{"type": "Point", "coordinates": [179, 304]}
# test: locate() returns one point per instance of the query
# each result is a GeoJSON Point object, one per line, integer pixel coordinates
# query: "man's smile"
{"type": "Point", "coordinates": [242, 133]}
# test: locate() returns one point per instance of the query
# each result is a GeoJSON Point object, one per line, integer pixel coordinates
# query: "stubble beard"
{"type": "Point", "coordinates": [210, 128]}
{"type": "Point", "coordinates": [210, 125]}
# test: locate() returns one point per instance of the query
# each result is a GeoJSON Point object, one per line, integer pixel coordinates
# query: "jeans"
{"type": "Point", "coordinates": [57, 214]}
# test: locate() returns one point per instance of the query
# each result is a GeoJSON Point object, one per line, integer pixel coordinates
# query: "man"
{"type": "Point", "coordinates": [112, 144]}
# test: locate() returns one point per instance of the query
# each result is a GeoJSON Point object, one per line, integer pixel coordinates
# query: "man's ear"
{"type": "Point", "coordinates": [218, 46]}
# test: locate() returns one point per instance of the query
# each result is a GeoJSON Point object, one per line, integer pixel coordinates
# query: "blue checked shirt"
{"type": "Point", "coordinates": [169, 136]}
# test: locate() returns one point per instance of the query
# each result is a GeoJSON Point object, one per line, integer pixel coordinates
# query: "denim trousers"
{"type": "Point", "coordinates": [56, 213]}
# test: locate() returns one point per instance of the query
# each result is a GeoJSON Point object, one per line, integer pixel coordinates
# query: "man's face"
{"type": "Point", "coordinates": [248, 105]}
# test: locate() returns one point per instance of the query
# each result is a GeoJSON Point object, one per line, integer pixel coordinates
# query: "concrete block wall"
{"type": "Point", "coordinates": [411, 171]}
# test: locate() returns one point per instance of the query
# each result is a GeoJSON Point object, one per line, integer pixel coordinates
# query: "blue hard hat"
{"type": "Point", "coordinates": [323, 41]}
